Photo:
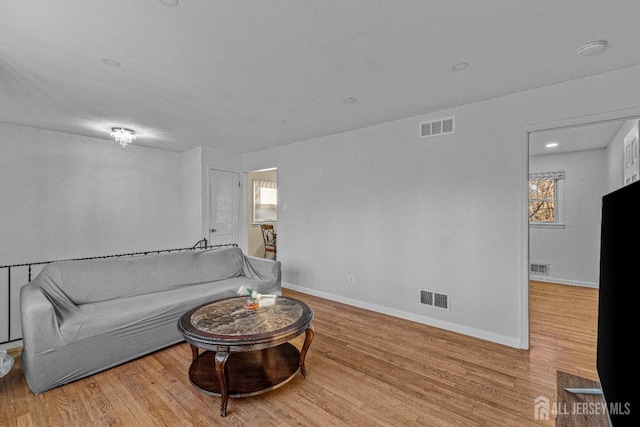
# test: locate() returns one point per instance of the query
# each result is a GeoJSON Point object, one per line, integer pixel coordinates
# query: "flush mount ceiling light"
{"type": "Point", "coordinates": [122, 135]}
{"type": "Point", "coordinates": [551, 145]}
{"type": "Point", "coordinates": [592, 48]}
{"type": "Point", "coordinates": [349, 100]}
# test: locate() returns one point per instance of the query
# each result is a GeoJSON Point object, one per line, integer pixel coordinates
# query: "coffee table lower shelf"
{"type": "Point", "coordinates": [248, 373]}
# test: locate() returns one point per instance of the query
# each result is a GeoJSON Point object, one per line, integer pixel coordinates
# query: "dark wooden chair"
{"type": "Point", "coordinates": [269, 237]}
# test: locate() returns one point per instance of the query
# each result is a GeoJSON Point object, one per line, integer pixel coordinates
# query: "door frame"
{"type": "Point", "coordinates": [249, 227]}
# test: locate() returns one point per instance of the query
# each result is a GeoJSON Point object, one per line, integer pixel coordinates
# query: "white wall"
{"type": "Point", "coordinates": [66, 196]}
{"type": "Point", "coordinates": [573, 252]}
{"type": "Point", "coordinates": [192, 193]}
{"type": "Point", "coordinates": [447, 214]}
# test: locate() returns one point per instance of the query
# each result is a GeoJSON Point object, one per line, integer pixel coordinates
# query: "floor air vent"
{"type": "Point", "coordinates": [434, 299]}
{"type": "Point", "coordinates": [439, 127]}
{"type": "Point", "coordinates": [539, 269]}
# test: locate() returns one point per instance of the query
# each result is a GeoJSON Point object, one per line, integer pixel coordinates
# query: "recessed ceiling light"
{"type": "Point", "coordinates": [592, 48]}
{"type": "Point", "coordinates": [111, 62]}
{"type": "Point", "coordinates": [551, 145]}
{"type": "Point", "coordinates": [170, 3]}
{"type": "Point", "coordinates": [349, 100]}
{"type": "Point", "coordinates": [460, 66]}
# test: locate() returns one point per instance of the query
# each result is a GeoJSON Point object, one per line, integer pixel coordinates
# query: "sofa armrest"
{"type": "Point", "coordinates": [40, 331]}
{"type": "Point", "coordinates": [264, 269]}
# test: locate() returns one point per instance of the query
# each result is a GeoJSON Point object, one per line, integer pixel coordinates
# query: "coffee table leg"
{"type": "Point", "coordinates": [307, 342]}
{"type": "Point", "coordinates": [194, 352]}
{"type": "Point", "coordinates": [221, 360]}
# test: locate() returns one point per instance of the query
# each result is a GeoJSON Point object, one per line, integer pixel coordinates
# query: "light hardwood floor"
{"type": "Point", "coordinates": [365, 369]}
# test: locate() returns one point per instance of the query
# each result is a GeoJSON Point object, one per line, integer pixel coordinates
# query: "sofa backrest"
{"type": "Point", "coordinates": [94, 280]}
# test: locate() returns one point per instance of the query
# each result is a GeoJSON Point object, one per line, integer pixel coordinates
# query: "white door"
{"type": "Point", "coordinates": [224, 207]}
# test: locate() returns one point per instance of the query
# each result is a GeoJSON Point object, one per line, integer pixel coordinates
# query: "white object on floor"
{"type": "Point", "coordinates": [6, 363]}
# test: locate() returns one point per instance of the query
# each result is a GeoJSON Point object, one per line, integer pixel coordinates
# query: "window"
{"type": "Point", "coordinates": [265, 201]}
{"type": "Point", "coordinates": [544, 199]}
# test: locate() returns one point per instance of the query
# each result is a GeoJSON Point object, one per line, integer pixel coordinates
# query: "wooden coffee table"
{"type": "Point", "coordinates": [246, 352]}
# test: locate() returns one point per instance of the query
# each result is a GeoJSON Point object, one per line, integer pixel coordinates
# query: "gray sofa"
{"type": "Point", "coordinates": [82, 317]}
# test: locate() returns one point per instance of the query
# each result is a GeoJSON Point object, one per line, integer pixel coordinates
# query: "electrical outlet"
{"type": "Point", "coordinates": [352, 280]}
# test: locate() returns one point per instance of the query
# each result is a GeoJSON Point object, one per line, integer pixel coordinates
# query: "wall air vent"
{"type": "Point", "coordinates": [434, 299]}
{"type": "Point", "coordinates": [539, 269]}
{"type": "Point", "coordinates": [439, 127]}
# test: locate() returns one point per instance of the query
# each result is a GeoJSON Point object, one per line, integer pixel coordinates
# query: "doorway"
{"type": "Point", "coordinates": [262, 208]}
{"type": "Point", "coordinates": [604, 131]}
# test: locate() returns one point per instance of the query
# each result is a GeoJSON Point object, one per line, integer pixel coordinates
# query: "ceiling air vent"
{"type": "Point", "coordinates": [439, 127]}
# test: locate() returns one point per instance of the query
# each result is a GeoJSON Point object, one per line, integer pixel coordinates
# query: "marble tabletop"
{"type": "Point", "coordinates": [229, 317]}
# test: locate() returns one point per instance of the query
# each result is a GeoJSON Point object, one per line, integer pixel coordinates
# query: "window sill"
{"type": "Point", "coordinates": [543, 225]}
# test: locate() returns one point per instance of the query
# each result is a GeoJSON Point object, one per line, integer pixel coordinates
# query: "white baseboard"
{"type": "Point", "coordinates": [453, 327]}
{"type": "Point", "coordinates": [548, 279]}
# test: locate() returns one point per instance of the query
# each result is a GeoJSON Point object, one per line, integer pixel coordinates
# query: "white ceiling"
{"type": "Point", "coordinates": [579, 138]}
{"type": "Point", "coordinates": [249, 75]}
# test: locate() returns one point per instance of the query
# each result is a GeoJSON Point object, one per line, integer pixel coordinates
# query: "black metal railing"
{"type": "Point", "coordinates": [200, 245]}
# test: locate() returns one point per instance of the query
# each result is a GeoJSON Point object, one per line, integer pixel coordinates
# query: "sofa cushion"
{"type": "Point", "coordinates": [104, 279]}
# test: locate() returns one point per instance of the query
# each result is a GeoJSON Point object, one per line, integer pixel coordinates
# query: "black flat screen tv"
{"type": "Point", "coordinates": [618, 360]}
